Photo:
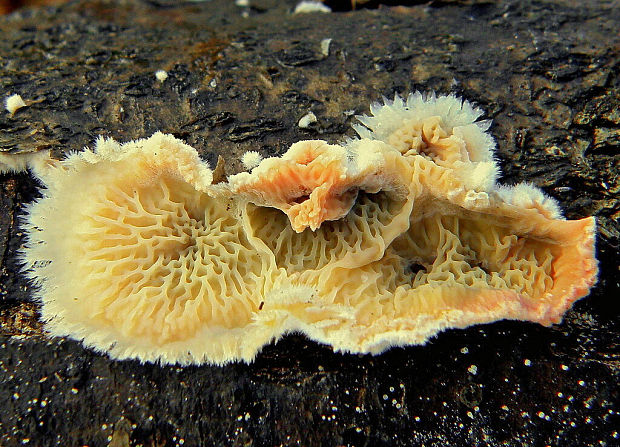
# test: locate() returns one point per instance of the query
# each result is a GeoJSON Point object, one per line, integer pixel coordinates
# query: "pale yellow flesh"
{"type": "Point", "coordinates": [138, 255]}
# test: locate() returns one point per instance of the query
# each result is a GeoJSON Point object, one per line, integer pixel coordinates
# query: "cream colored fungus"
{"type": "Point", "coordinates": [385, 240]}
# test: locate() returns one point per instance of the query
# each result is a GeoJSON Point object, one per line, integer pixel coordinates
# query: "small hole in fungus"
{"type": "Point", "coordinates": [300, 199]}
{"type": "Point", "coordinates": [481, 266]}
{"type": "Point", "coordinates": [415, 267]}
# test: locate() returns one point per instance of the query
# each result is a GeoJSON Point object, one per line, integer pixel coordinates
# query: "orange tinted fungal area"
{"type": "Point", "coordinates": [310, 184]}
{"type": "Point", "coordinates": [384, 240]}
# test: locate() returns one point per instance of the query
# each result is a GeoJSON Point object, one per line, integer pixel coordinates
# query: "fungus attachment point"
{"type": "Point", "coordinates": [385, 240]}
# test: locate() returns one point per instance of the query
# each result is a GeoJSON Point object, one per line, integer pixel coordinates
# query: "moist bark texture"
{"type": "Point", "coordinates": [240, 78]}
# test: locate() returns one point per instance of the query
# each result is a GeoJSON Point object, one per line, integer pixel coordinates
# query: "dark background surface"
{"type": "Point", "coordinates": [240, 78]}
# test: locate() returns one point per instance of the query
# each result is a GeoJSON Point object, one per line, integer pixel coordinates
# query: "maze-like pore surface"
{"type": "Point", "coordinates": [360, 231]}
{"type": "Point", "coordinates": [475, 252]}
{"type": "Point", "coordinates": [180, 260]}
{"type": "Point", "coordinates": [381, 241]}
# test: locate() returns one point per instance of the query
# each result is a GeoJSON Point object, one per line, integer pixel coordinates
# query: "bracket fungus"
{"type": "Point", "coordinates": [384, 240]}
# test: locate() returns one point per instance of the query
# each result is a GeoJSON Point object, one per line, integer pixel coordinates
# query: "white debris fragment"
{"type": "Point", "coordinates": [307, 120]}
{"type": "Point", "coordinates": [251, 159]}
{"type": "Point", "coordinates": [161, 75]}
{"type": "Point", "coordinates": [242, 3]}
{"type": "Point", "coordinates": [20, 162]}
{"type": "Point", "coordinates": [325, 46]}
{"type": "Point", "coordinates": [13, 103]}
{"type": "Point", "coordinates": [311, 6]}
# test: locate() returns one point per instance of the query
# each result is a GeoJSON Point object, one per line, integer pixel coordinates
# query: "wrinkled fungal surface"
{"type": "Point", "coordinates": [384, 240]}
